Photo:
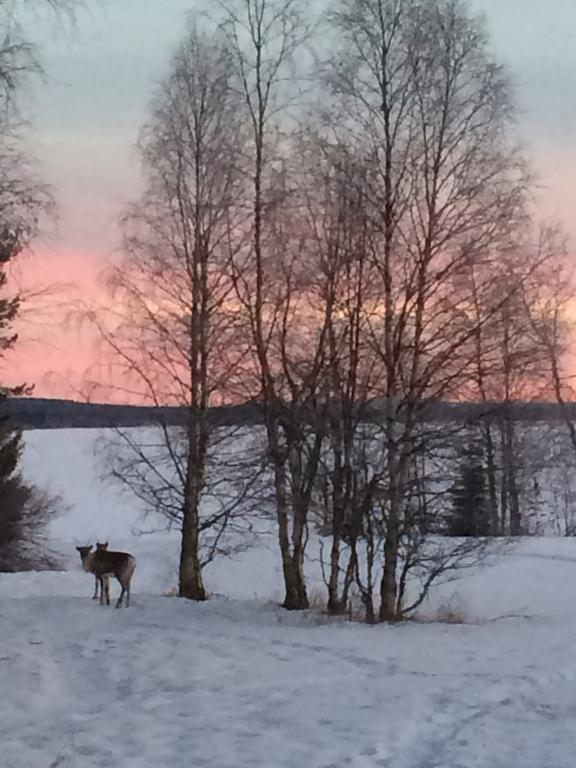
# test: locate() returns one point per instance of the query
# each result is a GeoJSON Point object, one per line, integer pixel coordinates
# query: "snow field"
{"type": "Point", "coordinates": [239, 683]}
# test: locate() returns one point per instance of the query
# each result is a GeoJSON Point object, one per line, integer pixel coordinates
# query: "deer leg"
{"type": "Point", "coordinates": [107, 586]}
{"type": "Point", "coordinates": [119, 603]}
{"type": "Point", "coordinates": [102, 589]}
{"type": "Point", "coordinates": [95, 595]}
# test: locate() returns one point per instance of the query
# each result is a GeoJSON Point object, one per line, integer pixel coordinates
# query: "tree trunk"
{"type": "Point", "coordinates": [396, 468]}
{"type": "Point", "coordinates": [495, 525]}
{"type": "Point", "coordinates": [295, 597]}
{"type": "Point", "coordinates": [191, 584]}
{"type": "Point", "coordinates": [336, 604]}
{"type": "Point", "coordinates": [511, 473]}
{"type": "Point", "coordinates": [298, 594]}
{"type": "Point", "coordinates": [388, 585]}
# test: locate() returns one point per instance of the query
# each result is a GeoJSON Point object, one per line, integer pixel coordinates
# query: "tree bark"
{"type": "Point", "coordinates": [495, 525]}
{"type": "Point", "coordinates": [191, 584]}
{"type": "Point", "coordinates": [389, 586]}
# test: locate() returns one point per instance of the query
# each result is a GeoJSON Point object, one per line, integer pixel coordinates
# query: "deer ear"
{"type": "Point", "coordinates": [78, 549]}
{"type": "Point", "coordinates": [106, 544]}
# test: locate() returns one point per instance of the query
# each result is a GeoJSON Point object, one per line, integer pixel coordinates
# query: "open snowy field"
{"type": "Point", "coordinates": [239, 683]}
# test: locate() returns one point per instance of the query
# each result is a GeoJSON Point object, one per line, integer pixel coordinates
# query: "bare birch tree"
{"type": "Point", "coordinates": [547, 302]}
{"type": "Point", "coordinates": [176, 338]}
{"type": "Point", "coordinates": [339, 287]}
{"type": "Point", "coordinates": [512, 365]}
{"type": "Point", "coordinates": [422, 98]}
{"type": "Point", "coordinates": [266, 35]}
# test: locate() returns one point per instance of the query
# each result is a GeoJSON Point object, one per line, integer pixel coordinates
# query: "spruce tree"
{"type": "Point", "coordinates": [469, 510]}
{"type": "Point", "coordinates": [23, 509]}
{"type": "Point", "coordinates": [12, 491]}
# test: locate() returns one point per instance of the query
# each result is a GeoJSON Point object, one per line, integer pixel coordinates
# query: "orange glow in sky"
{"type": "Point", "coordinates": [53, 350]}
{"type": "Point", "coordinates": [86, 120]}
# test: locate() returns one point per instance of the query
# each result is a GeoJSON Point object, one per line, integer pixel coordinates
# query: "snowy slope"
{"type": "Point", "coordinates": [238, 683]}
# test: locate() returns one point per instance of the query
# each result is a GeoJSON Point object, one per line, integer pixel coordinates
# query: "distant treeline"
{"type": "Point", "coordinates": [45, 413]}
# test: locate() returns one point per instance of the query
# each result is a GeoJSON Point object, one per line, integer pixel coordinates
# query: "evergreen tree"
{"type": "Point", "coordinates": [469, 512]}
{"type": "Point", "coordinates": [13, 493]}
{"type": "Point", "coordinates": [23, 509]}
{"type": "Point", "coordinates": [9, 249]}
{"type": "Point", "coordinates": [24, 200]}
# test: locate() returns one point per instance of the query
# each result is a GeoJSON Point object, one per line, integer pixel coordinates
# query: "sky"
{"type": "Point", "coordinates": [86, 116]}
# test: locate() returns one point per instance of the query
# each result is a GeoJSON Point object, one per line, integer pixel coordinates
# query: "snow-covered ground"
{"type": "Point", "coordinates": [238, 683]}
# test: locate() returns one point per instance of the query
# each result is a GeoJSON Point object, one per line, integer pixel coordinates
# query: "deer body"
{"type": "Point", "coordinates": [100, 582]}
{"type": "Point", "coordinates": [104, 563]}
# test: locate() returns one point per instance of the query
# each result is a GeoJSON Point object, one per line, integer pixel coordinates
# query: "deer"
{"type": "Point", "coordinates": [104, 563]}
{"type": "Point", "coordinates": [100, 547]}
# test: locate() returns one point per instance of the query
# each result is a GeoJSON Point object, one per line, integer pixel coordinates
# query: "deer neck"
{"type": "Point", "coordinates": [88, 562]}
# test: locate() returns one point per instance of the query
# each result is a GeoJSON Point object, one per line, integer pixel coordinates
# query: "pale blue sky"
{"type": "Point", "coordinates": [87, 116]}
{"type": "Point", "coordinates": [102, 73]}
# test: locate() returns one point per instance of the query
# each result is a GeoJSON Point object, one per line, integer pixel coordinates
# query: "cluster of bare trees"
{"type": "Point", "coordinates": [518, 356]}
{"type": "Point", "coordinates": [336, 225]}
